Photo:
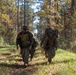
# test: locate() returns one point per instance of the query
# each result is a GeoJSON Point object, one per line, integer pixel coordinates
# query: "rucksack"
{"type": "Point", "coordinates": [25, 40]}
{"type": "Point", "coordinates": [49, 39]}
{"type": "Point", "coordinates": [48, 42]}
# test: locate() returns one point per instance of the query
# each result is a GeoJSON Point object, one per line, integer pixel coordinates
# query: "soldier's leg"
{"type": "Point", "coordinates": [52, 52]}
{"type": "Point", "coordinates": [26, 57]}
{"type": "Point", "coordinates": [49, 55]}
{"type": "Point", "coordinates": [22, 52]}
{"type": "Point", "coordinates": [32, 53]}
{"type": "Point", "coordinates": [46, 53]}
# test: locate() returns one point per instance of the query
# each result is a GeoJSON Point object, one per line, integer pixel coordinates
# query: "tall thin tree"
{"type": "Point", "coordinates": [72, 7]}
{"type": "Point", "coordinates": [18, 16]}
{"type": "Point", "coordinates": [24, 12]}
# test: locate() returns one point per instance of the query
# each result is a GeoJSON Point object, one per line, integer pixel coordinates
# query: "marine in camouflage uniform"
{"type": "Point", "coordinates": [24, 49]}
{"type": "Point", "coordinates": [49, 43]}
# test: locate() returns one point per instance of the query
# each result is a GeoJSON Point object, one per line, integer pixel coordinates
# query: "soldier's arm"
{"type": "Point", "coordinates": [42, 40]}
{"type": "Point", "coordinates": [17, 40]}
{"type": "Point", "coordinates": [31, 39]}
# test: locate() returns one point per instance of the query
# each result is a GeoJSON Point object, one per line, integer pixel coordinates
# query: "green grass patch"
{"type": "Point", "coordinates": [64, 62]}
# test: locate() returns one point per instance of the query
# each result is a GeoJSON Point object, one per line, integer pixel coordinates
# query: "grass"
{"type": "Point", "coordinates": [64, 63]}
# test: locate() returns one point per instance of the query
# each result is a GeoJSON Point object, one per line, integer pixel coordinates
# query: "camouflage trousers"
{"type": "Point", "coordinates": [31, 52]}
{"type": "Point", "coordinates": [25, 55]}
{"type": "Point", "coordinates": [50, 53]}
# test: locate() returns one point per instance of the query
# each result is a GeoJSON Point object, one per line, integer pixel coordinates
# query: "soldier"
{"type": "Point", "coordinates": [33, 48]}
{"type": "Point", "coordinates": [49, 43]}
{"type": "Point", "coordinates": [24, 40]}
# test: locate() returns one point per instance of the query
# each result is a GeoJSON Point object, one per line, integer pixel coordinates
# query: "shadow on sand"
{"type": "Point", "coordinates": [11, 65]}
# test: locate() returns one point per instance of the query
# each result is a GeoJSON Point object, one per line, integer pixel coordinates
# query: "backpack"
{"type": "Point", "coordinates": [25, 40]}
{"type": "Point", "coordinates": [48, 42]}
{"type": "Point", "coordinates": [49, 39]}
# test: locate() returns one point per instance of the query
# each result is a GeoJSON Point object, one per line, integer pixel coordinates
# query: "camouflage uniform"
{"type": "Point", "coordinates": [24, 49]}
{"type": "Point", "coordinates": [49, 43]}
